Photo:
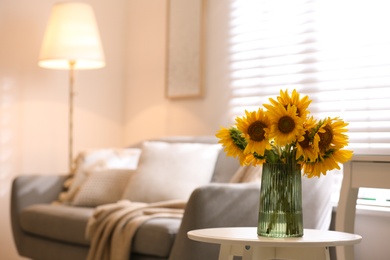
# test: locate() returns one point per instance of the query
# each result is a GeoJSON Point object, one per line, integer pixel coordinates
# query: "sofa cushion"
{"type": "Point", "coordinates": [59, 222]}
{"type": "Point", "coordinates": [102, 187]}
{"type": "Point", "coordinates": [169, 171]}
{"type": "Point", "coordinates": [156, 236]}
{"type": "Point", "coordinates": [68, 224]}
{"type": "Point", "coordinates": [225, 167]}
{"type": "Point", "coordinates": [99, 159]}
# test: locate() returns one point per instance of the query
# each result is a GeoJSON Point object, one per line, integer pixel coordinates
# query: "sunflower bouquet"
{"type": "Point", "coordinates": [284, 132]}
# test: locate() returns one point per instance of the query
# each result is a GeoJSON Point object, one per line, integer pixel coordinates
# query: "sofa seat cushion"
{"type": "Point", "coordinates": [59, 222]}
{"type": "Point", "coordinates": [68, 224]}
{"type": "Point", "coordinates": [155, 237]}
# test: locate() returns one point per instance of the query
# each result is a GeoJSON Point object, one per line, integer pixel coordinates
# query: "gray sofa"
{"type": "Point", "coordinates": [42, 230]}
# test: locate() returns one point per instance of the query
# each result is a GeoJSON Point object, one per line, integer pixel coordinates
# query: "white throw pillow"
{"type": "Point", "coordinates": [99, 159]}
{"type": "Point", "coordinates": [102, 187]}
{"type": "Point", "coordinates": [171, 171]}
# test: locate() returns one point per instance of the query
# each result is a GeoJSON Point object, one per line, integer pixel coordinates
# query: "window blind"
{"type": "Point", "coordinates": [336, 52]}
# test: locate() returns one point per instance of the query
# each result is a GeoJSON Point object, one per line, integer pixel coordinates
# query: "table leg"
{"type": "Point", "coordinates": [225, 252]}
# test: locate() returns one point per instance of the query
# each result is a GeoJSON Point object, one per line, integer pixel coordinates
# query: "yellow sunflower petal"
{"type": "Point", "coordinates": [250, 159]}
{"type": "Point", "coordinates": [294, 100]}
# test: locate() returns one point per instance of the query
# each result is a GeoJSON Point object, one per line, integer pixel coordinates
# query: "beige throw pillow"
{"type": "Point", "coordinates": [171, 171]}
{"type": "Point", "coordinates": [94, 160]}
{"type": "Point", "coordinates": [102, 187]}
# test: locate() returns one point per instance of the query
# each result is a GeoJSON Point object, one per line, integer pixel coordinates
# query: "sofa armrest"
{"type": "Point", "coordinates": [215, 205]}
{"type": "Point", "coordinates": [32, 189]}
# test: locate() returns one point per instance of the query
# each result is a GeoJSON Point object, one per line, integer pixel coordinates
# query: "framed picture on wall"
{"type": "Point", "coordinates": [184, 77]}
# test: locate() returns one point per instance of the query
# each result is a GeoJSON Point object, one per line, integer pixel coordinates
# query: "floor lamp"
{"type": "Point", "coordinates": [71, 42]}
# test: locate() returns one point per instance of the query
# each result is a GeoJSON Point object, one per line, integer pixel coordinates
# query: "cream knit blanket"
{"type": "Point", "coordinates": [111, 228]}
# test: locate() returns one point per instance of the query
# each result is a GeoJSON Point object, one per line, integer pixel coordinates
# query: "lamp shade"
{"type": "Point", "coordinates": [72, 36]}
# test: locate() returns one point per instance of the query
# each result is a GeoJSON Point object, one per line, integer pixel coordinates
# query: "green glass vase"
{"type": "Point", "coordinates": [280, 207]}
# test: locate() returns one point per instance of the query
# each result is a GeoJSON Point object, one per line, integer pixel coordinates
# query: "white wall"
{"type": "Point", "coordinates": [146, 106]}
{"type": "Point", "coordinates": [34, 101]}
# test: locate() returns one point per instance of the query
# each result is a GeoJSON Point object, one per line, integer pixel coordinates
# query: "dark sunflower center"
{"type": "Point", "coordinates": [306, 142]}
{"type": "Point", "coordinates": [256, 131]}
{"type": "Point", "coordinates": [326, 137]}
{"type": "Point", "coordinates": [286, 124]}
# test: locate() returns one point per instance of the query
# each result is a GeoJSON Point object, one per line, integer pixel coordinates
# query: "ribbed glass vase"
{"type": "Point", "coordinates": [280, 211]}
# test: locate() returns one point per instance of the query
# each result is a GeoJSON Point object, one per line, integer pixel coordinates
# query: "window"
{"type": "Point", "coordinates": [335, 51]}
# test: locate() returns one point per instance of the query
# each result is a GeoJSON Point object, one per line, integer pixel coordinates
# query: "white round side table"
{"type": "Point", "coordinates": [244, 241]}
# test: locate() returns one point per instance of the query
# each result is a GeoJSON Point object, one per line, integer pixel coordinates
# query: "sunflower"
{"type": "Point", "coordinates": [232, 143]}
{"type": "Point", "coordinates": [294, 100]}
{"type": "Point", "coordinates": [342, 156]}
{"type": "Point", "coordinates": [327, 163]}
{"type": "Point", "coordinates": [331, 133]}
{"type": "Point", "coordinates": [286, 126]}
{"type": "Point", "coordinates": [307, 149]}
{"type": "Point", "coordinates": [320, 167]}
{"type": "Point", "coordinates": [253, 160]}
{"type": "Point", "coordinates": [255, 128]}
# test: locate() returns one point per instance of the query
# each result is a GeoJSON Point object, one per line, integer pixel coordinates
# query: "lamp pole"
{"type": "Point", "coordinates": [72, 64]}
